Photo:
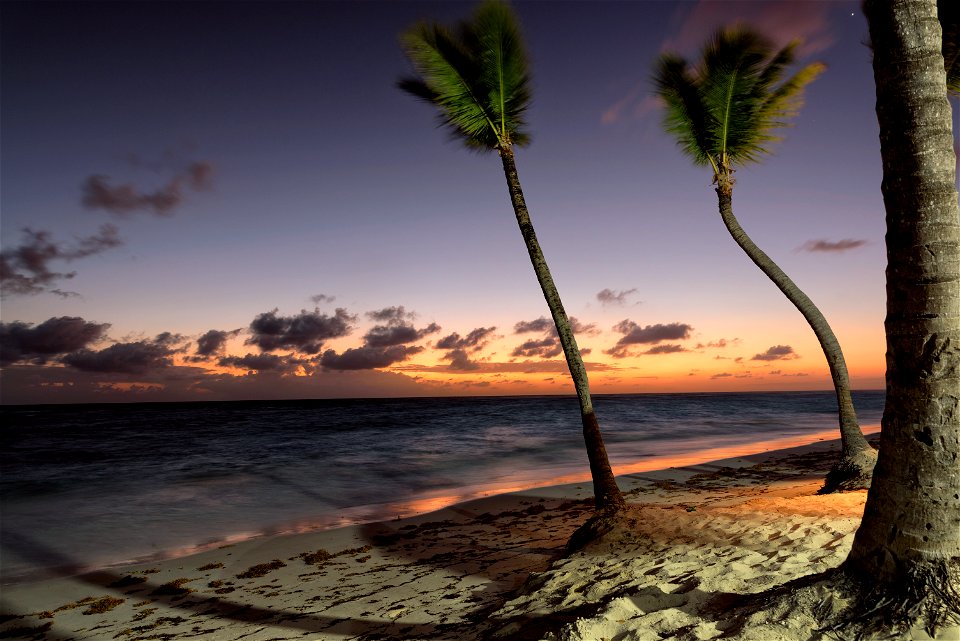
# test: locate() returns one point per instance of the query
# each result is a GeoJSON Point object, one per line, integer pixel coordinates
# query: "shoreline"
{"type": "Point", "coordinates": [447, 574]}
{"type": "Point", "coordinates": [405, 509]}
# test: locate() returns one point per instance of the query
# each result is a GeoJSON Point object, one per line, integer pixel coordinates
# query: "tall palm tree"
{"type": "Point", "coordinates": [723, 113]}
{"type": "Point", "coordinates": [477, 77]}
{"type": "Point", "coordinates": [908, 544]}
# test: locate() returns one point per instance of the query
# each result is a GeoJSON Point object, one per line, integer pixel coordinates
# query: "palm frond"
{"type": "Point", "coordinates": [477, 78]}
{"type": "Point", "coordinates": [734, 98]}
{"type": "Point", "coordinates": [686, 116]}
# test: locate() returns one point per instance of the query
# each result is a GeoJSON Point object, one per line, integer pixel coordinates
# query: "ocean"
{"type": "Point", "coordinates": [88, 486]}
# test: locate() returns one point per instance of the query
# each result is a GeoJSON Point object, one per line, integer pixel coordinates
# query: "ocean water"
{"type": "Point", "coordinates": [85, 486]}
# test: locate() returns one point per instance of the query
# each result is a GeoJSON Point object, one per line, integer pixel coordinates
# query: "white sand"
{"type": "Point", "coordinates": [700, 536]}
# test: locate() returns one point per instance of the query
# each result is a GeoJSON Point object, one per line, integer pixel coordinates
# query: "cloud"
{"type": "Point", "coordinates": [305, 332]}
{"type": "Point", "coordinates": [829, 246]}
{"type": "Point", "coordinates": [395, 328]}
{"type": "Point", "coordinates": [719, 344]}
{"type": "Point", "coordinates": [665, 349]}
{"type": "Point", "coordinates": [615, 297]}
{"type": "Point", "coordinates": [633, 334]}
{"type": "Point", "coordinates": [542, 324]}
{"type": "Point", "coordinates": [548, 347]}
{"type": "Point", "coordinates": [460, 361]}
{"type": "Point", "coordinates": [26, 269]}
{"type": "Point", "coordinates": [722, 375]}
{"type": "Point", "coordinates": [213, 342]}
{"type": "Point", "coordinates": [475, 340]}
{"type": "Point", "coordinates": [367, 357]}
{"type": "Point", "coordinates": [127, 199]}
{"type": "Point", "coordinates": [138, 357]}
{"type": "Point", "coordinates": [546, 325]}
{"type": "Point", "coordinates": [776, 353]}
{"type": "Point", "coordinates": [459, 348]}
{"type": "Point", "coordinates": [319, 299]}
{"type": "Point", "coordinates": [384, 344]}
{"type": "Point", "coordinates": [54, 337]}
{"type": "Point", "coordinates": [261, 362]}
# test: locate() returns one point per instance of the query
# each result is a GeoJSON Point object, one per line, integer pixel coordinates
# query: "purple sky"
{"type": "Point", "coordinates": [196, 166]}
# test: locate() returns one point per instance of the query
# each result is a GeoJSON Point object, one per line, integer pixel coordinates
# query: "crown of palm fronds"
{"type": "Point", "coordinates": [724, 110]}
{"type": "Point", "coordinates": [476, 76]}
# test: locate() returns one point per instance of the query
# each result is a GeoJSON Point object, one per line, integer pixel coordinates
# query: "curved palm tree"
{"type": "Point", "coordinates": [477, 78]}
{"type": "Point", "coordinates": [723, 112]}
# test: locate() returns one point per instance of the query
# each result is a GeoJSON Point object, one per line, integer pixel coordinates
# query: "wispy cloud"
{"type": "Point", "coordinates": [127, 199]}
{"type": "Point", "coordinates": [832, 246]}
{"type": "Point", "coordinates": [26, 269]}
{"type": "Point", "coordinates": [608, 297]}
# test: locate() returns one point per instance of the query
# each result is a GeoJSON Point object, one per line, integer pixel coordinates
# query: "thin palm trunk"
{"type": "Point", "coordinates": [909, 540]}
{"type": "Point", "coordinates": [857, 458]}
{"type": "Point", "coordinates": [608, 495]}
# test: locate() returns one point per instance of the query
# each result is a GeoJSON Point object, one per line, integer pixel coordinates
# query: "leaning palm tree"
{"type": "Point", "coordinates": [723, 113]}
{"type": "Point", "coordinates": [477, 77]}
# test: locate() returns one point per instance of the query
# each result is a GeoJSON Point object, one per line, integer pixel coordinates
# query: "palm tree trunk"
{"type": "Point", "coordinates": [909, 539]}
{"type": "Point", "coordinates": [857, 458]}
{"type": "Point", "coordinates": [606, 492]}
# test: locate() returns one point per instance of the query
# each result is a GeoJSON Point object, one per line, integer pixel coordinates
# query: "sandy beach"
{"type": "Point", "coordinates": [700, 537]}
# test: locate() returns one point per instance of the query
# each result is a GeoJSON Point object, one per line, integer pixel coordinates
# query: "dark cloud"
{"type": "Point", "coordinates": [665, 349]}
{"type": "Point", "coordinates": [26, 269]}
{"type": "Point", "coordinates": [392, 315]}
{"type": "Point", "coordinates": [319, 299]}
{"type": "Point", "coordinates": [304, 332]}
{"type": "Point", "coordinates": [830, 246]}
{"type": "Point", "coordinates": [138, 357]}
{"type": "Point", "coordinates": [544, 348]}
{"type": "Point", "coordinates": [776, 353]}
{"type": "Point", "coordinates": [542, 324]}
{"type": "Point", "coordinates": [460, 361]}
{"type": "Point", "coordinates": [633, 334]}
{"type": "Point", "coordinates": [546, 325]}
{"type": "Point", "coordinates": [213, 342]}
{"type": "Point", "coordinates": [387, 335]}
{"type": "Point", "coordinates": [127, 199]}
{"type": "Point", "coordinates": [367, 357]}
{"type": "Point", "coordinates": [614, 297]}
{"type": "Point", "coordinates": [722, 375]}
{"type": "Point", "coordinates": [474, 340]}
{"type": "Point", "coordinates": [261, 362]}
{"type": "Point", "coordinates": [458, 348]}
{"type": "Point", "coordinates": [54, 337]}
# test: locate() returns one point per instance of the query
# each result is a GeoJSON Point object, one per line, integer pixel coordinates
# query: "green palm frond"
{"type": "Point", "coordinates": [478, 78]}
{"type": "Point", "coordinates": [734, 99]}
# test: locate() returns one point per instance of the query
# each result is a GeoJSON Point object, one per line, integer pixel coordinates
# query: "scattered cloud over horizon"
{"type": "Point", "coordinates": [459, 348]}
{"type": "Point", "coordinates": [319, 299]}
{"type": "Point", "coordinates": [609, 297]}
{"type": "Point", "coordinates": [305, 332]}
{"type": "Point", "coordinates": [669, 348]}
{"type": "Point", "coordinates": [384, 344]}
{"type": "Point", "coordinates": [127, 199]}
{"type": "Point", "coordinates": [832, 246]}
{"type": "Point", "coordinates": [548, 346]}
{"type": "Point", "coordinates": [719, 344]}
{"type": "Point", "coordinates": [262, 362]}
{"type": "Point", "coordinates": [213, 342]}
{"type": "Point", "coordinates": [26, 269]}
{"type": "Point", "coordinates": [633, 334]}
{"type": "Point", "coordinates": [776, 353]}
{"type": "Point", "coordinates": [136, 357]}
{"type": "Point", "coordinates": [54, 337]}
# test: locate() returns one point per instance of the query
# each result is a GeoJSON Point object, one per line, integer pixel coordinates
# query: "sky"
{"type": "Point", "coordinates": [218, 201]}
